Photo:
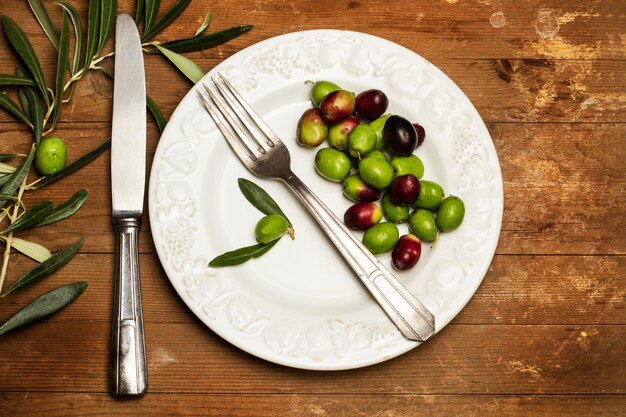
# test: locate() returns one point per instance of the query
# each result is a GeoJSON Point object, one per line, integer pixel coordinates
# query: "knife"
{"type": "Point", "coordinates": [128, 370]}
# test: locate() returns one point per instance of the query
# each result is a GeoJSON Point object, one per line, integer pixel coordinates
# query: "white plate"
{"type": "Point", "coordinates": [299, 305]}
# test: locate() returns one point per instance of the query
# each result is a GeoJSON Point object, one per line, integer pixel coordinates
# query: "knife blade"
{"type": "Point", "coordinates": [128, 370]}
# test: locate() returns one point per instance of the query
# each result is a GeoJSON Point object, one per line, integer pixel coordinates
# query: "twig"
{"type": "Point", "coordinates": [8, 240]}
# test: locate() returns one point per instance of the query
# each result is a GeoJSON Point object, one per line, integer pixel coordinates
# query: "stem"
{"type": "Point", "coordinates": [9, 237]}
{"type": "Point", "coordinates": [102, 58]}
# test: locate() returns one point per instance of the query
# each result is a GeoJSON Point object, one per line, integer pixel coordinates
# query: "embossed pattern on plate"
{"type": "Point", "coordinates": [298, 305]}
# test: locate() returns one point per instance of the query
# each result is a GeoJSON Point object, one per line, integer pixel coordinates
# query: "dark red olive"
{"type": "Point", "coordinates": [421, 134]}
{"type": "Point", "coordinates": [337, 105]}
{"type": "Point", "coordinates": [400, 135]}
{"type": "Point", "coordinates": [371, 104]}
{"type": "Point", "coordinates": [407, 252]}
{"type": "Point", "coordinates": [405, 189]}
{"type": "Point", "coordinates": [358, 190]}
{"type": "Point", "coordinates": [362, 216]}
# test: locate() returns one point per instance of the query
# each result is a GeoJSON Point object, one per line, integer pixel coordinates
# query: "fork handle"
{"type": "Point", "coordinates": [413, 320]}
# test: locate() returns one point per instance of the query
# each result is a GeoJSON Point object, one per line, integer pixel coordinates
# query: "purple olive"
{"type": "Point", "coordinates": [421, 134]}
{"type": "Point", "coordinates": [406, 253]}
{"type": "Point", "coordinates": [405, 189]}
{"type": "Point", "coordinates": [400, 136]}
{"type": "Point", "coordinates": [337, 105]}
{"type": "Point", "coordinates": [371, 104]}
{"type": "Point", "coordinates": [362, 216]}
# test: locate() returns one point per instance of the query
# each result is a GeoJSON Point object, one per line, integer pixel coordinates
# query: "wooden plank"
{"type": "Point", "coordinates": [524, 290]}
{"type": "Point", "coordinates": [33, 404]}
{"type": "Point", "coordinates": [70, 356]}
{"type": "Point", "coordinates": [562, 188]}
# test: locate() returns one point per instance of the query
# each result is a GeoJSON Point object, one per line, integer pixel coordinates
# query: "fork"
{"type": "Point", "coordinates": [266, 156]}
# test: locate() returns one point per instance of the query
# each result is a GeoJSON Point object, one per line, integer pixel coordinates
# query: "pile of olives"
{"type": "Point", "coordinates": [371, 153]}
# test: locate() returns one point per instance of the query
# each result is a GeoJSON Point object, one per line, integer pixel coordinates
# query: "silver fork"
{"type": "Point", "coordinates": [266, 156]}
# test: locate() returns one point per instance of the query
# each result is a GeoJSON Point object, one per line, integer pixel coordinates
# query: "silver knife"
{"type": "Point", "coordinates": [128, 370]}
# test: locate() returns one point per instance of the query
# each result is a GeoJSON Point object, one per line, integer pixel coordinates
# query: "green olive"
{"type": "Point", "coordinates": [450, 214]}
{"type": "Point", "coordinates": [422, 224]}
{"type": "Point", "coordinates": [431, 196]}
{"type": "Point", "coordinates": [381, 237]}
{"type": "Point", "coordinates": [361, 141]}
{"type": "Point", "coordinates": [320, 90]}
{"type": "Point", "coordinates": [378, 126]}
{"type": "Point", "coordinates": [332, 164]}
{"type": "Point", "coordinates": [376, 172]}
{"type": "Point", "coordinates": [378, 154]}
{"type": "Point", "coordinates": [408, 165]}
{"type": "Point", "coordinates": [394, 213]}
{"type": "Point", "coordinates": [270, 228]}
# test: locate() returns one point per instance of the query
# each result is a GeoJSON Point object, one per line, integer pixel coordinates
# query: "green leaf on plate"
{"type": "Point", "coordinates": [30, 217]}
{"type": "Point", "coordinates": [19, 41]}
{"type": "Point", "coordinates": [44, 305]}
{"type": "Point", "coordinates": [57, 261]}
{"type": "Point", "coordinates": [152, 8]}
{"type": "Point", "coordinates": [10, 106]}
{"type": "Point", "coordinates": [41, 13]}
{"type": "Point", "coordinates": [259, 198]}
{"type": "Point", "coordinates": [206, 41]}
{"type": "Point", "coordinates": [64, 46]}
{"type": "Point", "coordinates": [8, 79]}
{"type": "Point", "coordinates": [166, 19]}
{"type": "Point", "coordinates": [93, 31]}
{"type": "Point", "coordinates": [108, 11]}
{"type": "Point", "coordinates": [15, 179]}
{"type": "Point", "coordinates": [156, 113]}
{"type": "Point", "coordinates": [241, 255]}
{"type": "Point", "coordinates": [66, 209]}
{"type": "Point", "coordinates": [139, 11]}
{"type": "Point", "coordinates": [74, 166]}
{"type": "Point", "coordinates": [184, 64]}
{"type": "Point", "coordinates": [32, 250]}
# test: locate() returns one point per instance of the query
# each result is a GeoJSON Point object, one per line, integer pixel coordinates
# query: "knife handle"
{"type": "Point", "coordinates": [128, 370]}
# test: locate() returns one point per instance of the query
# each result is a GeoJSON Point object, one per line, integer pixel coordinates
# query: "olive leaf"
{"type": "Point", "coordinates": [66, 209]}
{"type": "Point", "coordinates": [44, 305]}
{"type": "Point", "coordinates": [93, 31]}
{"type": "Point", "coordinates": [19, 41]}
{"type": "Point", "coordinates": [156, 113]}
{"type": "Point", "coordinates": [74, 166]}
{"type": "Point", "coordinates": [32, 250]}
{"type": "Point", "coordinates": [57, 261]}
{"type": "Point", "coordinates": [241, 255]}
{"type": "Point", "coordinates": [108, 11]}
{"type": "Point", "coordinates": [30, 217]}
{"type": "Point", "coordinates": [206, 41]}
{"type": "Point", "coordinates": [42, 16]}
{"type": "Point", "coordinates": [203, 26]}
{"type": "Point", "coordinates": [6, 168]}
{"type": "Point", "coordinates": [64, 44]}
{"type": "Point", "coordinates": [259, 198]}
{"type": "Point", "coordinates": [7, 156]}
{"type": "Point", "coordinates": [184, 64]}
{"type": "Point", "coordinates": [152, 8]}
{"type": "Point", "coordinates": [35, 111]}
{"type": "Point", "coordinates": [166, 19]}
{"type": "Point", "coordinates": [78, 32]}
{"type": "Point", "coordinates": [8, 79]}
{"type": "Point", "coordinates": [10, 106]}
{"type": "Point", "coordinates": [139, 11]}
{"type": "Point", "coordinates": [15, 179]}
{"type": "Point", "coordinates": [3, 180]}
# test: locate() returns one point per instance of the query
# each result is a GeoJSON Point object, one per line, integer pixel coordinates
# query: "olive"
{"type": "Point", "coordinates": [400, 135]}
{"type": "Point", "coordinates": [393, 212]}
{"type": "Point", "coordinates": [338, 133]}
{"type": "Point", "coordinates": [361, 140]}
{"type": "Point", "coordinates": [378, 154]}
{"type": "Point", "coordinates": [332, 164]}
{"type": "Point", "coordinates": [422, 224]}
{"type": "Point", "coordinates": [357, 190]}
{"type": "Point", "coordinates": [450, 214]}
{"type": "Point", "coordinates": [362, 216]}
{"type": "Point", "coordinates": [431, 196]}
{"type": "Point", "coordinates": [337, 105]}
{"type": "Point", "coordinates": [371, 104]}
{"type": "Point", "coordinates": [376, 172]}
{"type": "Point", "coordinates": [312, 130]}
{"type": "Point", "coordinates": [404, 189]}
{"type": "Point", "coordinates": [381, 237]}
{"type": "Point", "coordinates": [320, 90]}
{"type": "Point", "coordinates": [406, 253]}
{"type": "Point", "coordinates": [421, 134]}
{"type": "Point", "coordinates": [272, 227]}
{"type": "Point", "coordinates": [378, 126]}
{"type": "Point", "coordinates": [408, 165]}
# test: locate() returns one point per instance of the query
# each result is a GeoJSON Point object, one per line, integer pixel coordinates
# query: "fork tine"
{"type": "Point", "coordinates": [271, 136]}
{"type": "Point", "coordinates": [240, 149]}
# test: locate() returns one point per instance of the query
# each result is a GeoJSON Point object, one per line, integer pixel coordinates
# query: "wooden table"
{"type": "Point", "coordinates": [543, 336]}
